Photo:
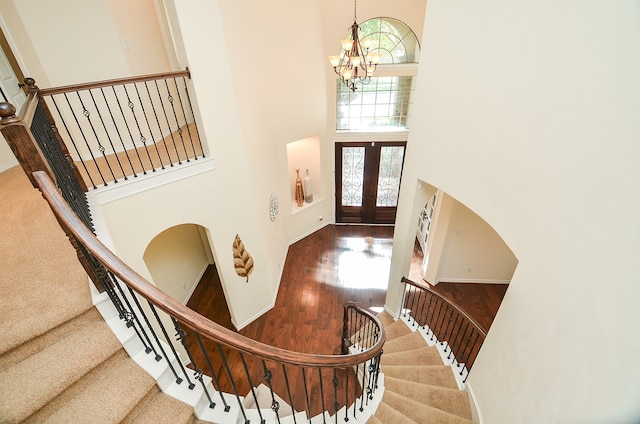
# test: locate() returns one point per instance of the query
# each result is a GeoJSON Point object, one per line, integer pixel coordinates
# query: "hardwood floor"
{"type": "Point", "coordinates": [322, 272]}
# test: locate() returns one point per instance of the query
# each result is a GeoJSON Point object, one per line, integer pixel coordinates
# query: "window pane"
{"type": "Point", "coordinates": [352, 175]}
{"type": "Point", "coordinates": [375, 105]}
{"type": "Point", "coordinates": [389, 175]}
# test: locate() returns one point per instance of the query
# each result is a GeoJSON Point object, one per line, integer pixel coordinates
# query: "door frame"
{"type": "Point", "coordinates": [369, 213]}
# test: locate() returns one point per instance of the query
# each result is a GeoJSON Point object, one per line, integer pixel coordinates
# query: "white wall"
{"type": "Point", "coordinates": [528, 114]}
{"type": "Point", "coordinates": [473, 252]}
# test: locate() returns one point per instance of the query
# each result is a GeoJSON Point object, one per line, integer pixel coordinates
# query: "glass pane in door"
{"type": "Point", "coordinates": [352, 175]}
{"type": "Point", "coordinates": [389, 175]}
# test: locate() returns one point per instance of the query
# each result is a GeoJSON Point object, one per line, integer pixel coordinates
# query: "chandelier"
{"type": "Point", "coordinates": [355, 64]}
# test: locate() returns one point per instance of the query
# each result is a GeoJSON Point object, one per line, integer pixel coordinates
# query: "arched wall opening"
{"type": "Point", "coordinates": [177, 258]}
{"type": "Point", "coordinates": [457, 248]}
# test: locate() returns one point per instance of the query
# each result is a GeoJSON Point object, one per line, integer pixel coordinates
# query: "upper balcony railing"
{"type": "Point", "coordinates": [122, 128]}
{"type": "Point", "coordinates": [331, 388]}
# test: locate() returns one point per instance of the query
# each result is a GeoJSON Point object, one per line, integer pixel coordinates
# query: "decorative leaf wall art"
{"type": "Point", "coordinates": [242, 260]}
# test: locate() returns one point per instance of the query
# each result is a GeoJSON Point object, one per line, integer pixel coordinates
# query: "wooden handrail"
{"type": "Point", "coordinates": [112, 82]}
{"type": "Point", "coordinates": [75, 229]}
{"type": "Point", "coordinates": [468, 317]}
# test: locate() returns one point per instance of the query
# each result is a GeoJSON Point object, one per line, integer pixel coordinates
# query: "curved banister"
{"type": "Point", "coordinates": [459, 335]}
{"type": "Point", "coordinates": [461, 311]}
{"type": "Point", "coordinates": [188, 317]}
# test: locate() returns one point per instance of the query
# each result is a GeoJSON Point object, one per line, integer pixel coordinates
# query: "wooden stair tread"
{"type": "Point", "coordinates": [55, 368]}
{"type": "Point", "coordinates": [449, 400]}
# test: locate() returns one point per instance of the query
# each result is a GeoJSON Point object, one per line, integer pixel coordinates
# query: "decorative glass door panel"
{"type": "Point", "coordinates": [368, 181]}
{"type": "Point", "coordinates": [389, 172]}
{"type": "Point", "coordinates": [352, 175]}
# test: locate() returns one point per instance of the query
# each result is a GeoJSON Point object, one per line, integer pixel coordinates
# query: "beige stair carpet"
{"type": "Point", "coordinates": [59, 361]}
{"type": "Point", "coordinates": [419, 388]}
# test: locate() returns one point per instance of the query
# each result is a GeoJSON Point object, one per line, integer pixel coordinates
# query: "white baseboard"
{"type": "Point", "coordinates": [308, 233]}
{"type": "Point", "coordinates": [469, 281]}
{"type": "Point", "coordinates": [273, 301]}
{"type": "Point", "coordinates": [8, 165]}
{"type": "Point", "coordinates": [476, 416]}
{"type": "Point", "coordinates": [195, 284]}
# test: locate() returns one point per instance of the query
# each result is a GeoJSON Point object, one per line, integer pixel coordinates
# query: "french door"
{"type": "Point", "coordinates": [368, 181]}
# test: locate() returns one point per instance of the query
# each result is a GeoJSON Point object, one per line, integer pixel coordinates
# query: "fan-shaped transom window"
{"type": "Point", "coordinates": [394, 41]}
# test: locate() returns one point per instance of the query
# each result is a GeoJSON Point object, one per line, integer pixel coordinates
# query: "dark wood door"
{"type": "Point", "coordinates": [368, 181]}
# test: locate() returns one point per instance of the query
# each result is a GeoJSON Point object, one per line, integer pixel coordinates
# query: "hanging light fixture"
{"type": "Point", "coordinates": [355, 64]}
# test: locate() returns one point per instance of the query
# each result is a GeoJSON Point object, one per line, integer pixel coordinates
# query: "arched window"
{"type": "Point", "coordinates": [382, 104]}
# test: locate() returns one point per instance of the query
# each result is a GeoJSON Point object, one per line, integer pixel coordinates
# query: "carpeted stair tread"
{"type": "Point", "coordinates": [409, 341]}
{"type": "Point", "coordinates": [163, 408]}
{"type": "Point", "coordinates": [435, 375]}
{"type": "Point", "coordinates": [449, 400]}
{"type": "Point", "coordinates": [387, 415]}
{"type": "Point", "coordinates": [420, 412]}
{"type": "Point", "coordinates": [95, 398]}
{"type": "Point", "coordinates": [385, 318]}
{"type": "Point", "coordinates": [39, 266]}
{"type": "Point", "coordinates": [54, 369]}
{"type": "Point", "coordinates": [427, 355]}
{"type": "Point", "coordinates": [396, 330]}
{"type": "Point", "coordinates": [373, 420]}
{"type": "Point", "coordinates": [37, 344]}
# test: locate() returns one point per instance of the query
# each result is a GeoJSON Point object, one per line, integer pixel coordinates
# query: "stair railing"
{"type": "Point", "coordinates": [326, 385]}
{"type": "Point", "coordinates": [445, 323]}
{"type": "Point", "coordinates": [126, 127]}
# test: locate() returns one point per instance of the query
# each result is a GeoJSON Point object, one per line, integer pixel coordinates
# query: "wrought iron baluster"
{"type": "Point", "coordinates": [335, 381]}
{"type": "Point", "coordinates": [346, 395]}
{"type": "Point", "coordinates": [117, 130]}
{"type": "Point", "coordinates": [158, 357]}
{"type": "Point", "coordinates": [232, 381]}
{"type": "Point", "coordinates": [146, 119]}
{"type": "Point", "coordinates": [87, 114]}
{"type": "Point", "coordinates": [180, 132]}
{"type": "Point", "coordinates": [193, 116]}
{"type": "Point", "coordinates": [306, 394]}
{"type": "Point", "coordinates": [427, 322]}
{"type": "Point", "coordinates": [458, 336]}
{"type": "Point", "coordinates": [73, 142]}
{"type": "Point", "coordinates": [253, 389]}
{"type": "Point", "coordinates": [84, 138]}
{"type": "Point", "coordinates": [267, 375]}
{"type": "Point", "coordinates": [286, 382]}
{"type": "Point", "coordinates": [126, 123]}
{"type": "Point", "coordinates": [155, 114]}
{"type": "Point", "coordinates": [322, 396]}
{"type": "Point", "coordinates": [420, 313]}
{"type": "Point", "coordinates": [143, 139]}
{"type": "Point", "coordinates": [166, 118]}
{"type": "Point", "coordinates": [436, 318]}
{"type": "Point", "coordinates": [175, 116]}
{"type": "Point", "coordinates": [181, 336]}
{"type": "Point", "coordinates": [214, 375]}
{"type": "Point", "coordinates": [104, 126]}
{"type": "Point", "coordinates": [173, 350]}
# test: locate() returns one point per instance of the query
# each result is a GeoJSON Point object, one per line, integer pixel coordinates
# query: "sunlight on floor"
{"type": "Point", "coordinates": [362, 263]}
